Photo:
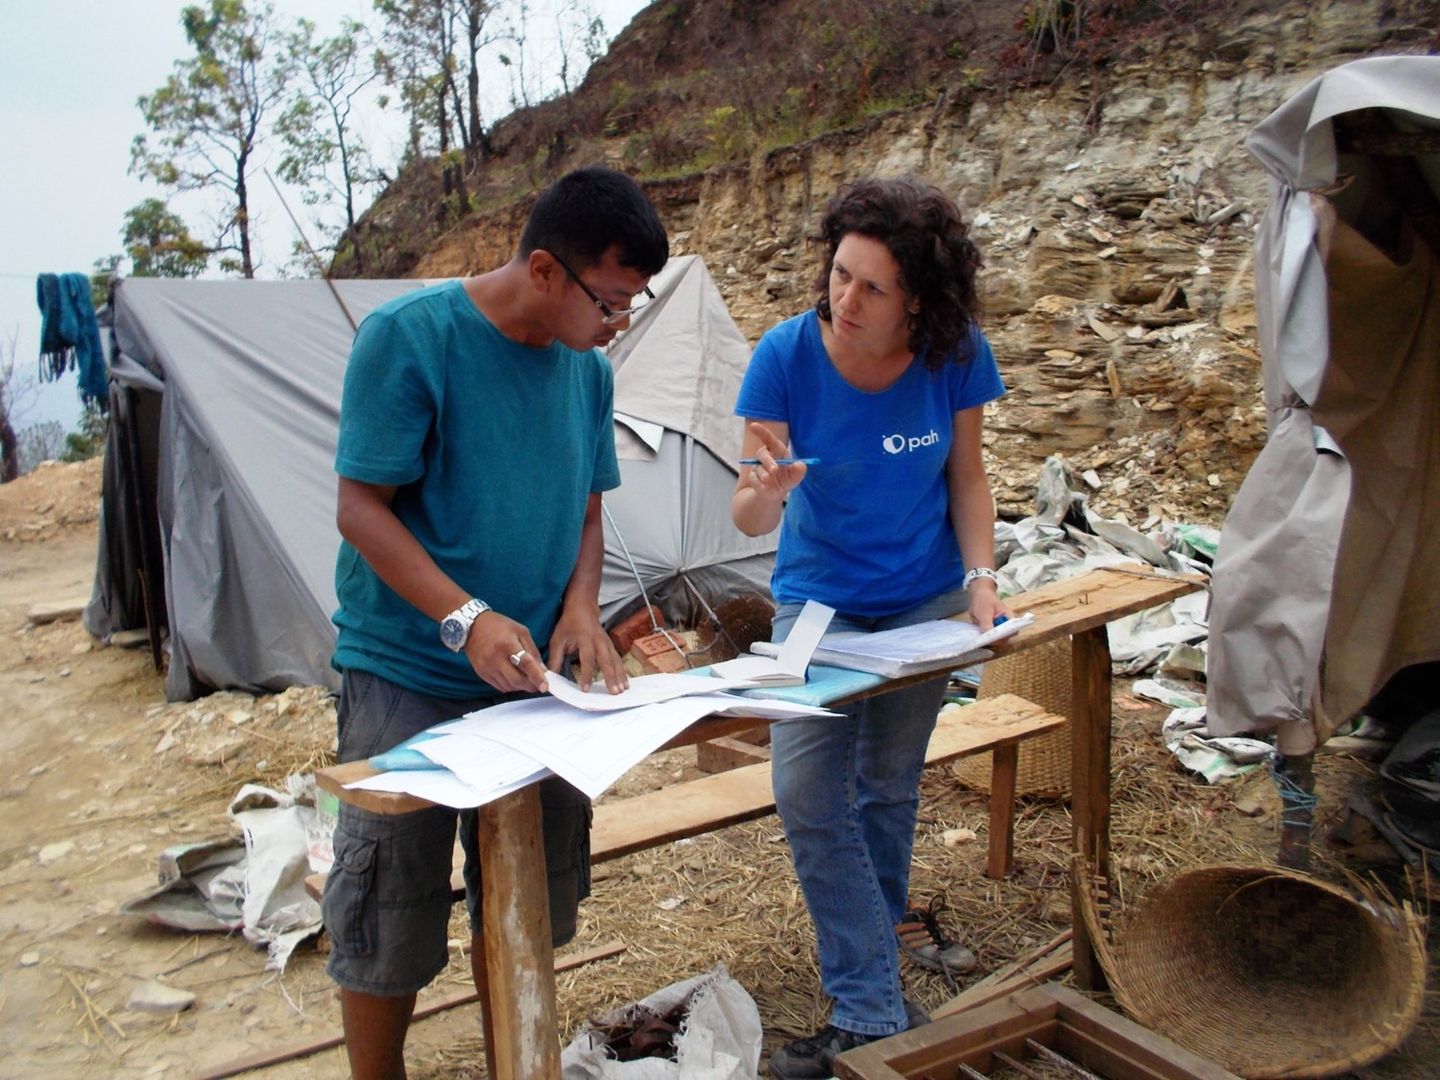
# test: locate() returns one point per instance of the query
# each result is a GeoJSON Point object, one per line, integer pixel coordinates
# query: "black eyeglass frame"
{"type": "Point", "coordinates": [607, 316]}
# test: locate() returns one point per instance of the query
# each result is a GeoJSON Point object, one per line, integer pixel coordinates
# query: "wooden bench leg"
{"type": "Point", "coordinates": [1004, 764]}
{"type": "Point", "coordinates": [1090, 781]}
{"type": "Point", "coordinates": [519, 959]}
{"type": "Point", "coordinates": [481, 975]}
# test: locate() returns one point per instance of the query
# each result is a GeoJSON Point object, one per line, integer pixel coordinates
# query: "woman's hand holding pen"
{"type": "Point", "coordinates": [767, 476]}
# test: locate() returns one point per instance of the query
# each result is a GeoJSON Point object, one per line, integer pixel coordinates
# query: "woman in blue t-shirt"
{"type": "Point", "coordinates": [883, 383]}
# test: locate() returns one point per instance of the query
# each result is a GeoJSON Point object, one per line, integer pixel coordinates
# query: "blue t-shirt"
{"type": "Point", "coordinates": [868, 531]}
{"type": "Point", "coordinates": [494, 448]}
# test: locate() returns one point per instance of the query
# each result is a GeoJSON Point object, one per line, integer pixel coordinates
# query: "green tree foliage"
{"type": "Point", "coordinates": [87, 440]}
{"type": "Point", "coordinates": [428, 46]}
{"type": "Point", "coordinates": [323, 153]}
{"type": "Point", "coordinates": [102, 274]}
{"type": "Point", "coordinates": [207, 120]}
{"type": "Point", "coordinates": [157, 244]}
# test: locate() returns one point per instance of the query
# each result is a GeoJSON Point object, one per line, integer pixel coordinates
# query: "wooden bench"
{"type": "Point", "coordinates": [516, 955]}
{"type": "Point", "coordinates": [624, 826]}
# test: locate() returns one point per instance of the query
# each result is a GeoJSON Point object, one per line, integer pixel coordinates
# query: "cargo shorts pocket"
{"type": "Point", "coordinates": [349, 907]}
{"type": "Point", "coordinates": [567, 817]}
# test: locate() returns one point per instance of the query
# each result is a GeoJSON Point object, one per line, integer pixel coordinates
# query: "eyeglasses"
{"type": "Point", "coordinates": [608, 316]}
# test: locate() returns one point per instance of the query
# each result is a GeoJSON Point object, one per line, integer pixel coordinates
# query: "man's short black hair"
{"type": "Point", "coordinates": [586, 212]}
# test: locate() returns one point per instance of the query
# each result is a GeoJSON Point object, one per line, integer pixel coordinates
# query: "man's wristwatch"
{"type": "Point", "coordinates": [455, 627]}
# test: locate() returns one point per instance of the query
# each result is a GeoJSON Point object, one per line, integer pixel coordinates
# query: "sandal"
{"type": "Point", "coordinates": [926, 944]}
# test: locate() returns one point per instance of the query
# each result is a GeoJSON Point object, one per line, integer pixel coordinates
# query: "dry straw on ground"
{"type": "Point", "coordinates": [732, 896]}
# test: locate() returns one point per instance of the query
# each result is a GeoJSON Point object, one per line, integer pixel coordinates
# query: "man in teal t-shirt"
{"type": "Point", "coordinates": [475, 442]}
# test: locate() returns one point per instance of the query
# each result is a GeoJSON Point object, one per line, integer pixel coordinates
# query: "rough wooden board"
{"type": "Point", "coordinates": [1053, 1016]}
{"type": "Point", "coordinates": [337, 1038]}
{"type": "Point", "coordinates": [1029, 971]}
{"type": "Point", "coordinates": [1090, 600]}
{"type": "Point", "coordinates": [730, 752]}
{"type": "Point", "coordinates": [1061, 609]}
{"type": "Point", "coordinates": [55, 610]}
{"type": "Point", "coordinates": [334, 778]}
{"type": "Point", "coordinates": [713, 802]}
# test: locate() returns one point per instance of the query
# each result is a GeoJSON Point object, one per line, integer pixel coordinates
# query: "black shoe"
{"type": "Point", "coordinates": [811, 1058]}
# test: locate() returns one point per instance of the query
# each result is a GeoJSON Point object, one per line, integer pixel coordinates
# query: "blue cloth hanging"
{"type": "Point", "coordinates": [70, 336]}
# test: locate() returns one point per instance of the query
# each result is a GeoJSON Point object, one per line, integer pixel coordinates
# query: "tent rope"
{"type": "Point", "coordinates": [645, 596]}
{"type": "Point", "coordinates": [1296, 804]}
{"type": "Point", "coordinates": [719, 625]}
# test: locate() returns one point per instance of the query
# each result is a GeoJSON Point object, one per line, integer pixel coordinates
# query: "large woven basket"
{"type": "Point", "coordinates": [1040, 675]}
{"type": "Point", "coordinates": [1268, 972]}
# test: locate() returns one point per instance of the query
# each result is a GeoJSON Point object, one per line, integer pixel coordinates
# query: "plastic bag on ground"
{"type": "Point", "coordinates": [719, 1036]}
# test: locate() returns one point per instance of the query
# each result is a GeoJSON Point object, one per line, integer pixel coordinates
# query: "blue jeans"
{"type": "Point", "coordinates": [848, 791]}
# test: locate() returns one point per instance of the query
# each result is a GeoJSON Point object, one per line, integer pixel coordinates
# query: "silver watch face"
{"type": "Point", "coordinates": [453, 633]}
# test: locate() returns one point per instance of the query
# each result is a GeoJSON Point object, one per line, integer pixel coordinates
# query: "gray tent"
{"type": "Point", "coordinates": [219, 504]}
{"type": "Point", "coordinates": [1327, 580]}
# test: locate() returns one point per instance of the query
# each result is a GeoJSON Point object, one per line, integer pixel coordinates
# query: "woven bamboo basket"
{"type": "Point", "coordinates": [1040, 675]}
{"type": "Point", "coordinates": [1268, 972]}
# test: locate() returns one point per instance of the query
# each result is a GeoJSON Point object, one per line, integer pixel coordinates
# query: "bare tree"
{"type": "Point", "coordinates": [16, 395]}
{"type": "Point", "coordinates": [323, 153]}
{"type": "Point", "coordinates": [208, 117]}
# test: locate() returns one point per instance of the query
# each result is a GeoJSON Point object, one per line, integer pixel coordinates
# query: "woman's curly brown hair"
{"type": "Point", "coordinates": [922, 229]}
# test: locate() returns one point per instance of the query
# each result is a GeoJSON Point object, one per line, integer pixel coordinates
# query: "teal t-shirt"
{"type": "Point", "coordinates": [494, 448]}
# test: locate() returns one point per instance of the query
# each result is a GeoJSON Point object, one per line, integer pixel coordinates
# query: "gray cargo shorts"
{"type": "Point", "coordinates": [387, 897]}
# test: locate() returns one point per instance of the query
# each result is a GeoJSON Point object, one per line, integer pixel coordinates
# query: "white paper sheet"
{"type": "Point", "coordinates": [479, 762]}
{"type": "Point", "coordinates": [906, 649]}
{"type": "Point", "coordinates": [643, 690]}
{"type": "Point", "coordinates": [491, 752]}
{"type": "Point", "coordinates": [788, 665]}
{"type": "Point", "coordinates": [590, 750]}
{"type": "Point", "coordinates": [439, 786]}
{"type": "Point", "coordinates": [593, 750]}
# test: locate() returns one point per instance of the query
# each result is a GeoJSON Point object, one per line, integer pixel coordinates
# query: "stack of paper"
{"type": "Point", "coordinates": [908, 650]}
{"type": "Point", "coordinates": [588, 737]}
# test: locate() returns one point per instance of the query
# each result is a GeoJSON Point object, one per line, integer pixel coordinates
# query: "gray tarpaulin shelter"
{"type": "Point", "coordinates": [1327, 580]}
{"type": "Point", "coordinates": [219, 492]}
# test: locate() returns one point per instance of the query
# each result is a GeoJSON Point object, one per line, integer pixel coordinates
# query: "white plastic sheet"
{"type": "Point", "coordinates": [719, 1038]}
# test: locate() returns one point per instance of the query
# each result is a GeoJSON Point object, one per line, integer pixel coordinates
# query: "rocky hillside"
{"type": "Point", "coordinates": [1114, 203]}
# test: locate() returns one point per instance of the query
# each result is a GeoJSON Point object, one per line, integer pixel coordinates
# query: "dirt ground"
{"type": "Point", "coordinates": [98, 774]}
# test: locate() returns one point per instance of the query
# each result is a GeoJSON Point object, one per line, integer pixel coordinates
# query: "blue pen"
{"type": "Point", "coordinates": [783, 461]}
{"type": "Point", "coordinates": [999, 619]}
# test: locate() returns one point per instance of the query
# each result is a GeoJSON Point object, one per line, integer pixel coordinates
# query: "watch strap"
{"type": "Point", "coordinates": [465, 615]}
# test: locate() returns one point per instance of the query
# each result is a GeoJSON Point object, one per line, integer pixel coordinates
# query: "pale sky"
{"type": "Point", "coordinates": [69, 81]}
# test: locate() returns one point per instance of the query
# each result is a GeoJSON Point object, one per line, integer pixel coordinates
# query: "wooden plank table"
{"type": "Point", "coordinates": [521, 1037]}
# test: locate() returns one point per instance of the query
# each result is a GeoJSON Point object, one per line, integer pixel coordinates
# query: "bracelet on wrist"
{"type": "Point", "coordinates": [971, 576]}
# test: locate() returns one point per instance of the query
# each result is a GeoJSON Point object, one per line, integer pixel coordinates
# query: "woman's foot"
{"type": "Point", "coordinates": [812, 1057]}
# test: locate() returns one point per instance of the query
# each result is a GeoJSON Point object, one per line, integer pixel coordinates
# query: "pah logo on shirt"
{"type": "Point", "coordinates": [899, 444]}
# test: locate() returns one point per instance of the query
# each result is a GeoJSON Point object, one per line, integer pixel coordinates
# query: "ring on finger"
{"type": "Point", "coordinates": [517, 656]}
